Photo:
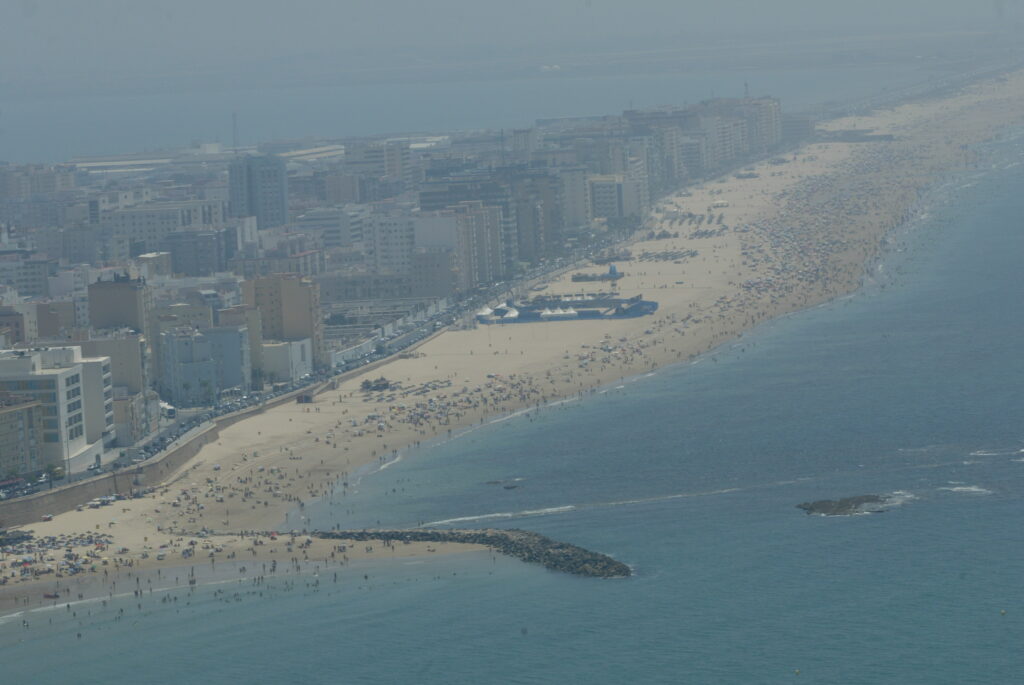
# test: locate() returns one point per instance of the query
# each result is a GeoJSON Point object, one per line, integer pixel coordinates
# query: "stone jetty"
{"type": "Point", "coordinates": [521, 544]}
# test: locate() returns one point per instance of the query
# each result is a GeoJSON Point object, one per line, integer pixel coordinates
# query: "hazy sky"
{"type": "Point", "coordinates": [49, 44]}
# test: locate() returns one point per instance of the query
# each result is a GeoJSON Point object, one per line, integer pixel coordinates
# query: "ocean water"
{"type": "Point", "coordinates": [55, 129]}
{"type": "Point", "coordinates": [911, 387]}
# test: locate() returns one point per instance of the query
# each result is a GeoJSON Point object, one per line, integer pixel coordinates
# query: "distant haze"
{"type": "Point", "coordinates": [87, 77]}
{"type": "Point", "coordinates": [61, 45]}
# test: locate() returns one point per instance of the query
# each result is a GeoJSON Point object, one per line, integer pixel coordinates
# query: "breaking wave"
{"type": "Point", "coordinates": [968, 489]}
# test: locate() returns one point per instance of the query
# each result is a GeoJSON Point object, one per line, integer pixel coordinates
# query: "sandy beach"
{"type": "Point", "coordinates": [795, 231]}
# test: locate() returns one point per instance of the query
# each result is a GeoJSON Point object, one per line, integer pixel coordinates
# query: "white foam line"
{"type": "Point", "coordinates": [573, 507]}
{"type": "Point", "coordinates": [969, 490]}
{"type": "Point", "coordinates": [665, 498]}
{"type": "Point", "coordinates": [391, 463]}
{"type": "Point", "coordinates": [504, 515]}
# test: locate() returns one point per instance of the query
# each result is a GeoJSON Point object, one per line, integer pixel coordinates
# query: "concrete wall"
{"type": "Point", "coordinates": [25, 510]}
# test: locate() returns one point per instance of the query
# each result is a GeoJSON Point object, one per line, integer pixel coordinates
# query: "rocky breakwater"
{"type": "Point", "coordinates": [521, 544]}
{"type": "Point", "coordinates": [846, 506]}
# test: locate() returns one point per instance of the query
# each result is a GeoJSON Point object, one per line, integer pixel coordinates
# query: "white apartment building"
{"type": "Point", "coordinates": [76, 394]}
{"type": "Point", "coordinates": [287, 361]}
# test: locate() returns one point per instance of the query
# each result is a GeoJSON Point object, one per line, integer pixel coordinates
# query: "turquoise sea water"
{"type": "Point", "coordinates": [911, 386]}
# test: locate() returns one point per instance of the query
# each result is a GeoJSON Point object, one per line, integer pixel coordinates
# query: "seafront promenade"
{"type": "Point", "coordinates": [791, 233]}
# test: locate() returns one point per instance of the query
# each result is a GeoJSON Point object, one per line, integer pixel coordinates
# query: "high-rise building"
{"type": "Point", "coordinates": [136, 406]}
{"type": "Point", "coordinates": [615, 197]}
{"type": "Point", "coordinates": [21, 322]}
{"type": "Point", "coordinates": [21, 431]}
{"type": "Point", "coordinates": [388, 240]}
{"type": "Point", "coordinates": [478, 186]}
{"type": "Point", "coordinates": [146, 226]}
{"type": "Point", "coordinates": [26, 272]}
{"type": "Point", "coordinates": [229, 346]}
{"type": "Point", "coordinates": [335, 227]}
{"type": "Point", "coordinates": [524, 142]}
{"type": "Point", "coordinates": [76, 394]}
{"type": "Point", "coordinates": [121, 303]}
{"type": "Point", "coordinates": [55, 319]}
{"type": "Point", "coordinates": [197, 253]}
{"type": "Point", "coordinates": [290, 308]}
{"type": "Point", "coordinates": [258, 186]}
{"type": "Point", "coordinates": [249, 317]}
{"type": "Point", "coordinates": [390, 160]}
{"type": "Point", "coordinates": [575, 197]}
{"type": "Point", "coordinates": [479, 242]}
{"type": "Point", "coordinates": [434, 272]}
{"type": "Point", "coordinates": [189, 372]}
{"type": "Point", "coordinates": [129, 358]}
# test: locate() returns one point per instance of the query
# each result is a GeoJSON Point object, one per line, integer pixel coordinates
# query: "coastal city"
{"type": "Point", "coordinates": [201, 342]}
{"type": "Point", "coordinates": [146, 294]}
{"type": "Point", "coordinates": [469, 342]}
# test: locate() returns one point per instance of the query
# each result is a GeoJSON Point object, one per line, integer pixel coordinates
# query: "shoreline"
{"type": "Point", "coordinates": [782, 238]}
{"type": "Point", "coordinates": [322, 552]}
{"type": "Point", "coordinates": [340, 557]}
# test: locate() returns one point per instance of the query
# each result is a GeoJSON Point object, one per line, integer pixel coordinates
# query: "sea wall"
{"type": "Point", "coordinates": [521, 544]}
{"type": "Point", "coordinates": [150, 473]}
{"type": "Point", "coordinates": [25, 510]}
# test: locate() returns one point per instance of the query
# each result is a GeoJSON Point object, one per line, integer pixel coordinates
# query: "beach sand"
{"type": "Point", "coordinates": [797, 234]}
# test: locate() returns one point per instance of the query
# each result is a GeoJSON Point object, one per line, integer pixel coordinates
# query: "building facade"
{"type": "Point", "coordinates": [189, 372]}
{"type": "Point", "coordinates": [75, 393]}
{"type": "Point", "coordinates": [290, 309]}
{"type": "Point", "coordinates": [287, 361]}
{"type": "Point", "coordinates": [258, 186]}
{"type": "Point", "coordinates": [21, 430]}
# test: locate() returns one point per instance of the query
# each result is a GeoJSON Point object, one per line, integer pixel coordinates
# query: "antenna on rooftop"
{"type": "Point", "coordinates": [234, 132]}
{"type": "Point", "coordinates": [746, 90]}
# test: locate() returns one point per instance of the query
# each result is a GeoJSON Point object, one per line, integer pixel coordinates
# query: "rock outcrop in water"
{"type": "Point", "coordinates": [861, 504]}
{"type": "Point", "coordinates": [521, 544]}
